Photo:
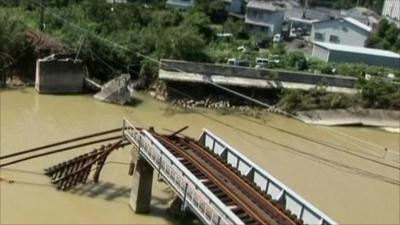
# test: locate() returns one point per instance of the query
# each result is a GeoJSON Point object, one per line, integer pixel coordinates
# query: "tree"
{"type": "Point", "coordinates": [237, 28]}
{"type": "Point", "coordinates": [386, 37]}
{"type": "Point", "coordinates": [13, 44]}
{"type": "Point", "coordinates": [182, 42]}
{"type": "Point", "coordinates": [215, 9]}
{"type": "Point", "coordinates": [377, 93]}
{"type": "Point", "coordinates": [200, 21]}
{"type": "Point", "coordinates": [296, 60]}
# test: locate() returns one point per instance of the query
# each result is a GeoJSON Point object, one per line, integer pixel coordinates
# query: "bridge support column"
{"type": "Point", "coordinates": [141, 187]}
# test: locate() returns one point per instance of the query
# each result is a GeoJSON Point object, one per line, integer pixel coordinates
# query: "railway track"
{"type": "Point", "coordinates": [243, 197]}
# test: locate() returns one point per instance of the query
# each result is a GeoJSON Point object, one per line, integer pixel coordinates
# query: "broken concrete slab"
{"type": "Point", "coordinates": [116, 91]}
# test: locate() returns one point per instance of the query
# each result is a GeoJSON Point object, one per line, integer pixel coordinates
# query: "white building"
{"type": "Point", "coordinates": [344, 31]}
{"type": "Point", "coordinates": [329, 52]}
{"type": "Point", "coordinates": [265, 16]}
{"type": "Point", "coordinates": [391, 9]}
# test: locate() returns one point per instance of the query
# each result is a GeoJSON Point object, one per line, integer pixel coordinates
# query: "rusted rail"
{"type": "Point", "coordinates": [60, 150]}
{"type": "Point", "coordinates": [248, 203]}
{"type": "Point", "coordinates": [60, 143]}
{"type": "Point", "coordinates": [72, 172]}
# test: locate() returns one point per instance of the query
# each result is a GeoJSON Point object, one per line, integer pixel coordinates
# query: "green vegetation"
{"type": "Point", "coordinates": [316, 98]}
{"type": "Point", "coordinates": [121, 34]}
{"type": "Point", "coordinates": [387, 37]}
{"type": "Point", "coordinates": [375, 93]}
{"type": "Point", "coordinates": [13, 45]}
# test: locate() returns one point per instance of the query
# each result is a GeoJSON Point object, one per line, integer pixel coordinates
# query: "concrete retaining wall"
{"type": "Point", "coordinates": [59, 76]}
{"type": "Point", "coordinates": [366, 117]}
{"type": "Point", "coordinates": [235, 72]}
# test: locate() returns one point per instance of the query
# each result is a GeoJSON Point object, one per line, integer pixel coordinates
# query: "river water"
{"type": "Point", "coordinates": [336, 169]}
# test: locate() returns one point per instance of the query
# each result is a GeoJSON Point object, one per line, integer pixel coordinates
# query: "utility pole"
{"type": "Point", "coordinates": [306, 5]}
{"type": "Point", "coordinates": [41, 19]}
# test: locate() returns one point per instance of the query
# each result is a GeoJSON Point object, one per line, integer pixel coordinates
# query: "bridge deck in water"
{"type": "Point", "coordinates": [218, 183]}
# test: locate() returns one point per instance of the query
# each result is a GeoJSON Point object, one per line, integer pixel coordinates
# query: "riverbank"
{"type": "Point", "coordinates": [15, 82]}
{"type": "Point", "coordinates": [388, 120]}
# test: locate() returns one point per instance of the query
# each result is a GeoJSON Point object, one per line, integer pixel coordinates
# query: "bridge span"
{"type": "Point", "coordinates": [214, 180]}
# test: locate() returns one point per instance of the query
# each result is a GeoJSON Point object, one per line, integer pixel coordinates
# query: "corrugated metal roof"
{"type": "Point", "coordinates": [358, 24]}
{"type": "Point", "coordinates": [257, 4]}
{"type": "Point", "coordinates": [351, 21]}
{"type": "Point", "coordinates": [270, 5]}
{"type": "Point", "coordinates": [358, 50]}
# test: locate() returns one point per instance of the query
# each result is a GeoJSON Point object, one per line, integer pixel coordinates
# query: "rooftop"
{"type": "Point", "coordinates": [358, 24]}
{"type": "Point", "coordinates": [359, 50]}
{"type": "Point", "coordinates": [308, 14]}
{"type": "Point", "coordinates": [351, 21]}
{"type": "Point", "coordinates": [270, 5]}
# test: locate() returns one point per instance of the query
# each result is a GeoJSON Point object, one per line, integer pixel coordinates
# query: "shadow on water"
{"type": "Point", "coordinates": [134, 102]}
{"type": "Point", "coordinates": [328, 162]}
{"type": "Point", "coordinates": [111, 192]}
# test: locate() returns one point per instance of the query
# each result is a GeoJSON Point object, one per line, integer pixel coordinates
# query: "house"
{"type": "Point", "coordinates": [344, 31]}
{"type": "Point", "coordinates": [265, 16]}
{"type": "Point", "coordinates": [391, 9]}
{"type": "Point", "coordinates": [329, 52]}
{"type": "Point", "coordinates": [235, 7]}
{"type": "Point", "coordinates": [300, 20]}
{"type": "Point", "coordinates": [181, 4]}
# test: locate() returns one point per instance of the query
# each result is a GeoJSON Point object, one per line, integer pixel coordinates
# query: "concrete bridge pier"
{"type": "Point", "coordinates": [142, 184]}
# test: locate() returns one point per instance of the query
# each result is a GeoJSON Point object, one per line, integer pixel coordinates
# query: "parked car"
{"type": "Point", "coordinates": [261, 62]}
{"type": "Point", "coordinates": [274, 59]}
{"type": "Point", "coordinates": [277, 38]}
{"type": "Point", "coordinates": [238, 62]}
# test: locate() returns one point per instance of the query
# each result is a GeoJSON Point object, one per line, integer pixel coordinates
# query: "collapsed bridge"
{"type": "Point", "coordinates": [213, 180]}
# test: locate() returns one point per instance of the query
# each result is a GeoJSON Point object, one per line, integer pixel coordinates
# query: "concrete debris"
{"type": "Point", "coordinates": [224, 105]}
{"type": "Point", "coordinates": [117, 91]}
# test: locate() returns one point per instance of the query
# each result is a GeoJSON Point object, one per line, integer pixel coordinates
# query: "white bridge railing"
{"type": "Point", "coordinates": [269, 184]}
{"type": "Point", "coordinates": [193, 193]}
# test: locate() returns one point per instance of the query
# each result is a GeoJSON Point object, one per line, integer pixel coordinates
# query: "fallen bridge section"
{"type": "Point", "coordinates": [214, 181]}
{"type": "Point", "coordinates": [195, 195]}
{"type": "Point", "coordinates": [264, 181]}
{"type": "Point", "coordinates": [183, 71]}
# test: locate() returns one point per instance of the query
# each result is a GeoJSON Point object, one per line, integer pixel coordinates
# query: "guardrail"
{"type": "Point", "coordinates": [268, 183]}
{"type": "Point", "coordinates": [193, 193]}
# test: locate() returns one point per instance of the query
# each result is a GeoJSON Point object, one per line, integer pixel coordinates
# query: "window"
{"type": "Point", "coordinates": [334, 39]}
{"type": "Point", "coordinates": [260, 14]}
{"type": "Point", "coordinates": [319, 36]}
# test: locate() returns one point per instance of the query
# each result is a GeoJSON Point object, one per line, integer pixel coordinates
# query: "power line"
{"type": "Point", "coordinates": [116, 45]}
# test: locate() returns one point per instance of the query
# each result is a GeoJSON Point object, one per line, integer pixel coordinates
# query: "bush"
{"type": "Point", "coordinates": [377, 93]}
{"type": "Point", "coordinates": [315, 98]}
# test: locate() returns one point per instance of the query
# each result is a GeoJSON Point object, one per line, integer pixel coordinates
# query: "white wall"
{"type": "Point", "coordinates": [348, 33]}
{"type": "Point", "coordinates": [273, 19]}
{"type": "Point", "coordinates": [391, 8]}
{"type": "Point", "coordinates": [320, 53]}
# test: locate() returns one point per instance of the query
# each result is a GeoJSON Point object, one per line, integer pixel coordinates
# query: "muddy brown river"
{"type": "Point", "coordinates": [343, 171]}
